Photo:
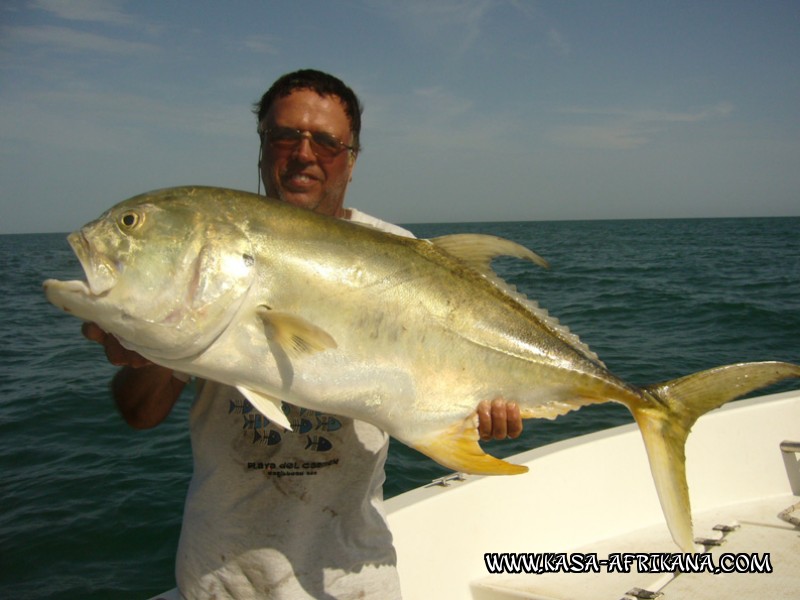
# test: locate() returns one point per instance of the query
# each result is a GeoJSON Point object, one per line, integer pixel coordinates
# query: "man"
{"type": "Point", "coordinates": [273, 513]}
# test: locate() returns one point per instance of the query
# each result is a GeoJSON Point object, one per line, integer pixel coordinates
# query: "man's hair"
{"type": "Point", "coordinates": [324, 85]}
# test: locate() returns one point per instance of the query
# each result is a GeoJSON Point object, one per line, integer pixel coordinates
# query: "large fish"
{"type": "Point", "coordinates": [407, 334]}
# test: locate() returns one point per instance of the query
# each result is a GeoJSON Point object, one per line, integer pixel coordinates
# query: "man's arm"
{"type": "Point", "coordinates": [144, 393]}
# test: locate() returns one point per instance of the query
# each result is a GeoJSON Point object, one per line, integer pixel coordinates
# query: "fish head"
{"type": "Point", "coordinates": [163, 274]}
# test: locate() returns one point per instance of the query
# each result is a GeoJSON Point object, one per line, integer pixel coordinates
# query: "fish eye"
{"type": "Point", "coordinates": [129, 220]}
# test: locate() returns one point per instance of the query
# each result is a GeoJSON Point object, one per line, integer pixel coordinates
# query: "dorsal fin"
{"type": "Point", "coordinates": [477, 251]}
{"type": "Point", "coordinates": [559, 330]}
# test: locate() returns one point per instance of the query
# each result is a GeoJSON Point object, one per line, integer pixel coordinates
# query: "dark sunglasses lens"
{"type": "Point", "coordinates": [327, 142]}
{"type": "Point", "coordinates": [283, 136]}
{"type": "Point", "coordinates": [322, 144]}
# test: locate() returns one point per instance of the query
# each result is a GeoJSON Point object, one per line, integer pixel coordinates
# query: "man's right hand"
{"type": "Point", "coordinates": [143, 391]}
{"type": "Point", "coordinates": [116, 353]}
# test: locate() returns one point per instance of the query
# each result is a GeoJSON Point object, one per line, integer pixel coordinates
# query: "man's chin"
{"type": "Point", "coordinates": [316, 200]}
{"type": "Point", "coordinates": [301, 200]}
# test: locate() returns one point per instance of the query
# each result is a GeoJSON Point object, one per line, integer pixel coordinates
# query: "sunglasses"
{"type": "Point", "coordinates": [323, 145]}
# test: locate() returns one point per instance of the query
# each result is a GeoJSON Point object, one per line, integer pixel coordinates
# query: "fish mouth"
{"type": "Point", "coordinates": [100, 274]}
{"type": "Point", "coordinates": [66, 294]}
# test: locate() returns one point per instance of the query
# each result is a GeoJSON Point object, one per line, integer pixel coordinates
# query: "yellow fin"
{"type": "Point", "coordinates": [268, 406]}
{"type": "Point", "coordinates": [666, 421]}
{"type": "Point", "coordinates": [295, 335]}
{"type": "Point", "coordinates": [457, 448]}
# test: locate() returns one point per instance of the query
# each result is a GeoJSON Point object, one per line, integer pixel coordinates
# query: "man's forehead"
{"type": "Point", "coordinates": [308, 104]}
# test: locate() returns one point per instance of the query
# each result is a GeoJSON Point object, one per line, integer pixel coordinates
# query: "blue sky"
{"type": "Point", "coordinates": [474, 109]}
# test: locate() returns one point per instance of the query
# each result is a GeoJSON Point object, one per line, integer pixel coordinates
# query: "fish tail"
{"type": "Point", "coordinates": [666, 422]}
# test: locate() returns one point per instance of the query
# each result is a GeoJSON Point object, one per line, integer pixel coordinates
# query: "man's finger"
{"type": "Point", "coordinates": [499, 419]}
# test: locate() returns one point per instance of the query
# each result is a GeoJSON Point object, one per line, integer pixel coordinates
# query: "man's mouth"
{"type": "Point", "coordinates": [298, 181]}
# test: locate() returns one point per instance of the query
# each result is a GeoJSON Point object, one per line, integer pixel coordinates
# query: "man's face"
{"type": "Point", "coordinates": [297, 175]}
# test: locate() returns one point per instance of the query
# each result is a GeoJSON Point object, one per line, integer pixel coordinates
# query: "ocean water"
{"type": "Point", "coordinates": [91, 509]}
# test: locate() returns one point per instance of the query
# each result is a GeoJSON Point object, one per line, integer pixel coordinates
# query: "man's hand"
{"type": "Point", "coordinates": [115, 352]}
{"type": "Point", "coordinates": [499, 420]}
{"type": "Point", "coordinates": [143, 392]}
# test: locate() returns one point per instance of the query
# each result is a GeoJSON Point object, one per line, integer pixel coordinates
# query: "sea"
{"type": "Point", "coordinates": [91, 509]}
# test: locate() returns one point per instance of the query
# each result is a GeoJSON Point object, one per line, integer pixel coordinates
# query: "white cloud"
{"type": "Point", "coordinates": [452, 24]}
{"type": "Point", "coordinates": [66, 39]}
{"type": "Point", "coordinates": [98, 11]}
{"type": "Point", "coordinates": [557, 42]}
{"type": "Point", "coordinates": [261, 44]}
{"type": "Point", "coordinates": [436, 119]}
{"type": "Point", "coordinates": [613, 137]}
{"type": "Point", "coordinates": [87, 120]}
{"type": "Point", "coordinates": [625, 129]}
{"type": "Point", "coordinates": [440, 104]}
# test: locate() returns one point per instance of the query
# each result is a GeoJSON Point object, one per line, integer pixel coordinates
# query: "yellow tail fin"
{"type": "Point", "coordinates": [665, 424]}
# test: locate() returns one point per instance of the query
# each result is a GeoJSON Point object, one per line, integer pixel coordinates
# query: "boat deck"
{"type": "Point", "coordinates": [593, 497]}
{"type": "Point", "coordinates": [756, 530]}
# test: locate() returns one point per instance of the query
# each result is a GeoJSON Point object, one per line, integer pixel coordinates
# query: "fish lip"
{"type": "Point", "coordinates": [73, 286]}
{"type": "Point", "coordinates": [58, 292]}
{"type": "Point", "coordinates": [100, 275]}
{"type": "Point", "coordinates": [80, 246]}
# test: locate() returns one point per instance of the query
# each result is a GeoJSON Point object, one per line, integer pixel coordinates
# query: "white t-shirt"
{"type": "Point", "coordinates": [284, 514]}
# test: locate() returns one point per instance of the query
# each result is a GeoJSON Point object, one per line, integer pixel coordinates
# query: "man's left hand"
{"type": "Point", "coordinates": [498, 420]}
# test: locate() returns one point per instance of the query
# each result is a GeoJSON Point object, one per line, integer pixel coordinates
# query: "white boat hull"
{"type": "Point", "coordinates": [594, 495]}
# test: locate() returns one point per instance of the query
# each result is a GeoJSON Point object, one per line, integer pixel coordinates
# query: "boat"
{"type": "Point", "coordinates": [593, 496]}
{"type": "Point", "coordinates": [585, 522]}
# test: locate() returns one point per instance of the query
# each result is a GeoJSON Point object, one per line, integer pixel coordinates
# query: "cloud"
{"type": "Point", "coordinates": [625, 129]}
{"type": "Point", "coordinates": [261, 44]}
{"type": "Point", "coordinates": [612, 137]}
{"type": "Point", "coordinates": [442, 104]}
{"type": "Point", "coordinates": [97, 11]}
{"type": "Point", "coordinates": [454, 24]}
{"type": "Point", "coordinates": [556, 42]}
{"type": "Point", "coordinates": [722, 109]}
{"type": "Point", "coordinates": [71, 40]}
{"type": "Point", "coordinates": [91, 121]}
{"type": "Point", "coordinates": [437, 119]}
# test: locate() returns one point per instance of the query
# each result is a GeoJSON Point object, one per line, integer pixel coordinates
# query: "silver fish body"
{"type": "Point", "coordinates": [407, 334]}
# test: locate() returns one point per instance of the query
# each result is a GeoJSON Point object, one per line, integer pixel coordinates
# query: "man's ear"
{"type": "Point", "coordinates": [351, 161]}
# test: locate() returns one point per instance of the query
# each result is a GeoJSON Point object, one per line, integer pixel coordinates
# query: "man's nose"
{"type": "Point", "coordinates": [303, 151]}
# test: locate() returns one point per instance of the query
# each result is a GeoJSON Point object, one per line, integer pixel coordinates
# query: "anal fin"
{"type": "Point", "coordinates": [457, 448]}
{"type": "Point", "coordinates": [268, 406]}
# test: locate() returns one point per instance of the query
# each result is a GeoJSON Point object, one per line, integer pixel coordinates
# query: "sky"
{"type": "Point", "coordinates": [475, 110]}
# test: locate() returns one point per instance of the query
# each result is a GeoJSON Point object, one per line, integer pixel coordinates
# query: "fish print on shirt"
{"type": "Point", "coordinates": [309, 441]}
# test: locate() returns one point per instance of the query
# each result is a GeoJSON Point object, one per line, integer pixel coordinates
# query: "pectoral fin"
{"type": "Point", "coordinates": [268, 406]}
{"type": "Point", "coordinates": [295, 335]}
{"type": "Point", "coordinates": [457, 448]}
